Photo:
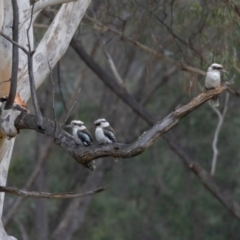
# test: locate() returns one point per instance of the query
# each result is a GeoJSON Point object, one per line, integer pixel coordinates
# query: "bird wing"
{"type": "Point", "coordinates": [109, 133]}
{"type": "Point", "coordinates": [85, 137]}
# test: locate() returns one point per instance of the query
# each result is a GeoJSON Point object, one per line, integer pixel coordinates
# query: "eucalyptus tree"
{"type": "Point", "coordinates": [49, 50]}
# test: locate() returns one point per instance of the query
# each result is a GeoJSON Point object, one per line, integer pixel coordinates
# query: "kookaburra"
{"type": "Point", "coordinates": [80, 133]}
{"type": "Point", "coordinates": [213, 80]}
{"type": "Point", "coordinates": [104, 133]}
{"type": "Point", "coordinates": [82, 137]}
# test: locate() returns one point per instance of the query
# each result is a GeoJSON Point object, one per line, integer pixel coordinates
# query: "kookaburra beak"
{"type": "Point", "coordinates": [224, 71]}
{"type": "Point", "coordinates": [68, 126]}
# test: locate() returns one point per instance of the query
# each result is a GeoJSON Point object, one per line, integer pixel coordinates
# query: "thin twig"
{"type": "Point", "coordinates": [14, 43]}
{"type": "Point", "coordinates": [221, 117]}
{"type": "Point", "coordinates": [71, 109]}
{"type": "Point", "coordinates": [31, 77]}
{"type": "Point", "coordinates": [15, 59]}
{"type": "Point", "coordinates": [23, 193]}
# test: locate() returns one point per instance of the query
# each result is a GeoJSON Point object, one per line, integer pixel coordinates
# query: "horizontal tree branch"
{"type": "Point", "coordinates": [23, 193]}
{"type": "Point", "coordinates": [226, 199]}
{"type": "Point", "coordinates": [85, 155]}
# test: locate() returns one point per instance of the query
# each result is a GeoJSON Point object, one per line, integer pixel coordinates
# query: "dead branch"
{"type": "Point", "coordinates": [23, 193]}
{"type": "Point", "coordinates": [85, 155]}
{"type": "Point", "coordinates": [14, 73]}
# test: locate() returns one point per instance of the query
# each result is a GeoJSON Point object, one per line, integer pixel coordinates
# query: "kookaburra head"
{"type": "Point", "coordinates": [213, 80]}
{"type": "Point", "coordinates": [101, 122]}
{"type": "Point", "coordinates": [76, 124]}
{"type": "Point", "coordinates": [215, 67]}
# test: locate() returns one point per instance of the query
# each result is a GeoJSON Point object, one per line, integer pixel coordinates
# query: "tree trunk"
{"type": "Point", "coordinates": [49, 51]}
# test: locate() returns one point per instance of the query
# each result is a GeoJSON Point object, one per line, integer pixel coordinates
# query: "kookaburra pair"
{"type": "Point", "coordinates": [104, 133]}
{"type": "Point", "coordinates": [213, 80]}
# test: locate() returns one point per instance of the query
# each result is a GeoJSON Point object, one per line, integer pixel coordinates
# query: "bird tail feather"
{"type": "Point", "coordinates": [215, 101]}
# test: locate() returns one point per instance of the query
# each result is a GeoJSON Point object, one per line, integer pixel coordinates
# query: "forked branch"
{"type": "Point", "coordinates": [85, 155]}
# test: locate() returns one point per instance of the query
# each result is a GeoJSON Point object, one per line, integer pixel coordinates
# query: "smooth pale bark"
{"type": "Point", "coordinates": [5, 49]}
{"type": "Point", "coordinates": [38, 6]}
{"type": "Point", "coordinates": [51, 48]}
{"type": "Point", "coordinates": [7, 127]}
{"type": "Point", "coordinates": [54, 44]}
{"type": "Point", "coordinates": [1, 13]}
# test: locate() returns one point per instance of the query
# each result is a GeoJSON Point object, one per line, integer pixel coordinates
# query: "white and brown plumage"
{"type": "Point", "coordinates": [104, 133]}
{"type": "Point", "coordinates": [80, 133]}
{"type": "Point", "coordinates": [213, 80]}
{"type": "Point", "coordinates": [82, 137]}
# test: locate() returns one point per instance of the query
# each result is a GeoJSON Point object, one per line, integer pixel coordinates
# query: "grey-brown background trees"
{"type": "Point", "coordinates": [135, 62]}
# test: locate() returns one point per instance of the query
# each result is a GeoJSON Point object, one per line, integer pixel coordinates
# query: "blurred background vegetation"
{"type": "Point", "coordinates": [151, 196]}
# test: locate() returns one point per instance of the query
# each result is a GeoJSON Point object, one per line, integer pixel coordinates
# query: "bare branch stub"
{"type": "Point", "coordinates": [15, 59]}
